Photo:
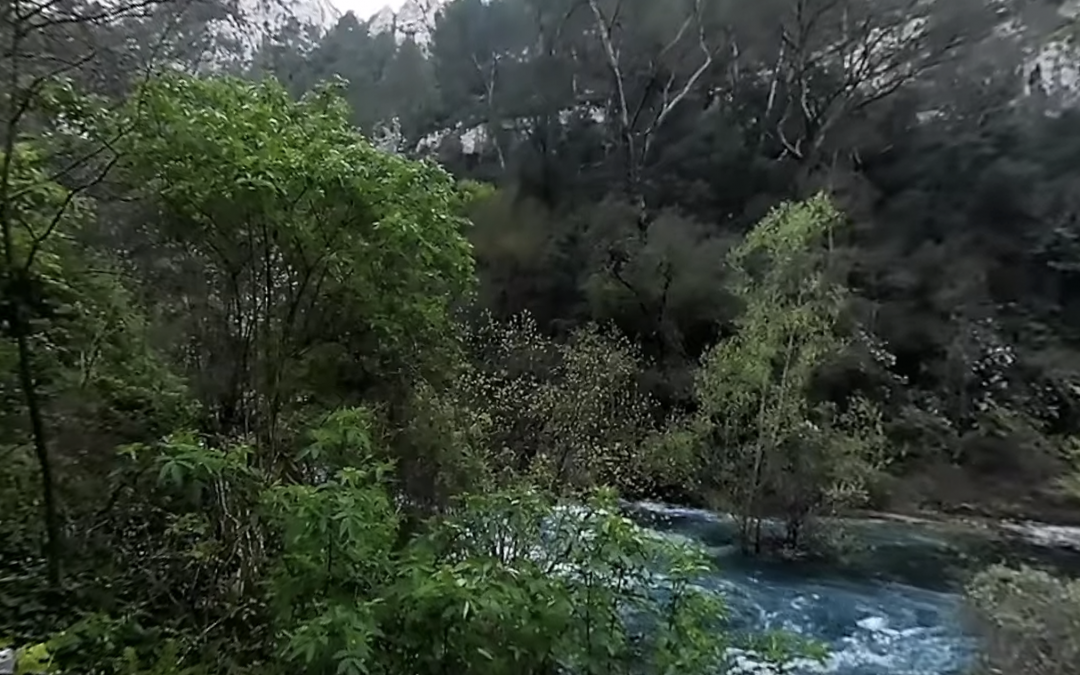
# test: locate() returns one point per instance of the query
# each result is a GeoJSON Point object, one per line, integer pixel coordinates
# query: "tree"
{"type": "Point", "coordinates": [32, 208]}
{"type": "Point", "coordinates": [655, 64]}
{"type": "Point", "coordinates": [51, 54]}
{"type": "Point", "coordinates": [477, 54]}
{"type": "Point", "coordinates": [572, 411]}
{"type": "Point", "coordinates": [412, 93]}
{"type": "Point", "coordinates": [302, 244]}
{"type": "Point", "coordinates": [765, 436]}
{"type": "Point", "coordinates": [830, 59]}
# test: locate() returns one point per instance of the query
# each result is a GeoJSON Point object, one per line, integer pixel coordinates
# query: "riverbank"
{"type": "Point", "coordinates": [892, 597]}
{"type": "Point", "coordinates": [884, 543]}
{"type": "Point", "coordinates": [949, 498]}
{"type": "Point", "coordinates": [1034, 532]}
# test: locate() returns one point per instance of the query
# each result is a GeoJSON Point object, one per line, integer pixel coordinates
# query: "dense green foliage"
{"type": "Point", "coordinates": [326, 274]}
{"type": "Point", "coordinates": [332, 355]}
{"type": "Point", "coordinates": [1029, 618]}
{"type": "Point", "coordinates": [764, 437]}
{"type": "Point", "coordinates": [635, 147]}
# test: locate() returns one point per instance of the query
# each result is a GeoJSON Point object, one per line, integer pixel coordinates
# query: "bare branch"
{"type": "Point", "coordinates": [637, 137]}
{"type": "Point", "coordinates": [871, 49]}
{"type": "Point", "coordinates": [691, 82]}
{"type": "Point", "coordinates": [62, 211]}
{"type": "Point", "coordinates": [604, 28]}
{"type": "Point", "coordinates": [681, 32]}
{"type": "Point", "coordinates": [488, 79]}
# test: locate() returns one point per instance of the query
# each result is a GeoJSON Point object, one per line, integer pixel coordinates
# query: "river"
{"type": "Point", "coordinates": [893, 610]}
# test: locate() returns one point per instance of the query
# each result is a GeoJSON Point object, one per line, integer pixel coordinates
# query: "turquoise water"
{"type": "Point", "coordinates": [871, 628]}
{"type": "Point", "coordinates": [897, 614]}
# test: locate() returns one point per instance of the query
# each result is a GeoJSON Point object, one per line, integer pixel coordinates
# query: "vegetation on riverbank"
{"type": "Point", "coordinates": [312, 473]}
{"type": "Point", "coordinates": [275, 398]}
{"type": "Point", "coordinates": [1029, 621]}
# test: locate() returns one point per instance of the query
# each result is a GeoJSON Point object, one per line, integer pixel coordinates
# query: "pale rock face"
{"type": "Point", "coordinates": [382, 21]}
{"type": "Point", "coordinates": [260, 13]}
{"type": "Point", "coordinates": [261, 18]}
{"type": "Point", "coordinates": [1052, 68]}
{"type": "Point", "coordinates": [415, 19]}
{"type": "Point", "coordinates": [321, 13]}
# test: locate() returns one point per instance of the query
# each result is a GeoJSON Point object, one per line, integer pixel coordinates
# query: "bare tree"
{"type": "Point", "coordinates": [481, 42]}
{"type": "Point", "coordinates": [834, 58]}
{"type": "Point", "coordinates": [649, 88]}
{"type": "Point", "coordinates": [657, 58]}
{"type": "Point", "coordinates": [489, 74]}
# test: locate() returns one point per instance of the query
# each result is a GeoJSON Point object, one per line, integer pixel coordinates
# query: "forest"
{"type": "Point", "coordinates": [340, 350]}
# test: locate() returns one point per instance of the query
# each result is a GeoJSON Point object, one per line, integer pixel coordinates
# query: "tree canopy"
{"type": "Point", "coordinates": [333, 348]}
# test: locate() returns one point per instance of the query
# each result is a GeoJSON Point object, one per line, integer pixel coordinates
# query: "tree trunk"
{"type": "Point", "coordinates": [28, 386]}
{"type": "Point", "coordinates": [16, 292]}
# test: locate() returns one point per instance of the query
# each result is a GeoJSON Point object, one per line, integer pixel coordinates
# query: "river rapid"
{"type": "Point", "coordinates": [893, 609]}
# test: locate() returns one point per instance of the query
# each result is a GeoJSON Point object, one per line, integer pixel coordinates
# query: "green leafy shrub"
{"type": "Point", "coordinates": [100, 645]}
{"type": "Point", "coordinates": [1029, 621]}
{"type": "Point", "coordinates": [506, 582]}
{"type": "Point", "coordinates": [764, 445]}
{"type": "Point", "coordinates": [570, 412]}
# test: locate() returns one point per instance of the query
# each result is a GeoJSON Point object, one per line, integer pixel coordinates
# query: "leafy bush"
{"type": "Point", "coordinates": [511, 581]}
{"type": "Point", "coordinates": [1029, 621]}
{"type": "Point", "coordinates": [569, 412]}
{"type": "Point", "coordinates": [503, 583]}
{"type": "Point", "coordinates": [103, 645]}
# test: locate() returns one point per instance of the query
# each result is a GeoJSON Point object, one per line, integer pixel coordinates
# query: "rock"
{"type": "Point", "coordinates": [1041, 534]}
{"type": "Point", "coordinates": [7, 662]}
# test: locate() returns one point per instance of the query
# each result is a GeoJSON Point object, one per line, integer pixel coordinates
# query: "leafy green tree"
{"type": "Point", "coordinates": [59, 64]}
{"type": "Point", "coordinates": [31, 208]}
{"type": "Point", "coordinates": [310, 259]}
{"type": "Point", "coordinates": [765, 435]}
{"type": "Point", "coordinates": [79, 355]}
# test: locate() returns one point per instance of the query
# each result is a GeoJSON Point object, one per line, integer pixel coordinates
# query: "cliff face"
{"type": "Point", "coordinates": [1052, 58]}
{"type": "Point", "coordinates": [233, 41]}
{"type": "Point", "coordinates": [415, 19]}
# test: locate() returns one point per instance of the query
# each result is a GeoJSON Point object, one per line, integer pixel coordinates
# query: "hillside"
{"type": "Point", "coordinates": [712, 118]}
{"type": "Point", "coordinates": [333, 346]}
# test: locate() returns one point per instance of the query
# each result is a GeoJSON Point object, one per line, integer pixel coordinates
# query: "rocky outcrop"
{"type": "Point", "coordinates": [415, 19]}
{"type": "Point", "coordinates": [233, 40]}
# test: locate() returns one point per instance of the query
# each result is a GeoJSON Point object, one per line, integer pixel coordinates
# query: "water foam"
{"type": "Point", "coordinates": [870, 627]}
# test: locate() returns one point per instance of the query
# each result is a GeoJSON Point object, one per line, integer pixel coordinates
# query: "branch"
{"type": "Point", "coordinates": [613, 63]}
{"type": "Point", "coordinates": [771, 100]}
{"type": "Point", "coordinates": [794, 149]}
{"type": "Point", "coordinates": [691, 82]}
{"type": "Point", "coordinates": [681, 32]}
{"type": "Point", "coordinates": [126, 11]}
